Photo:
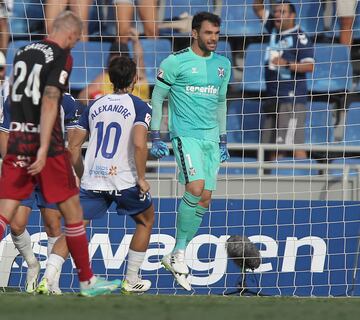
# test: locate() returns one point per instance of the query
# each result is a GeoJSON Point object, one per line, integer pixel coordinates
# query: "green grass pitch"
{"type": "Point", "coordinates": [21, 306]}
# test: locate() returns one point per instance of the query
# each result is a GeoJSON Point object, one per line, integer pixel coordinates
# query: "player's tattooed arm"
{"type": "Point", "coordinates": [49, 112]}
{"type": "Point", "coordinates": [52, 93]}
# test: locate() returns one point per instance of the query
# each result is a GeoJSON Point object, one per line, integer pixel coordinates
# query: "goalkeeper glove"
{"type": "Point", "coordinates": [159, 148]}
{"type": "Point", "coordinates": [224, 153]}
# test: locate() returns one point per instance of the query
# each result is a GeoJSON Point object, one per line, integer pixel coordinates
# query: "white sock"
{"type": "Point", "coordinates": [50, 244]}
{"type": "Point", "coordinates": [23, 244]}
{"type": "Point", "coordinates": [56, 280]}
{"type": "Point", "coordinates": [53, 266]}
{"type": "Point", "coordinates": [135, 260]}
{"type": "Point", "coordinates": [87, 284]}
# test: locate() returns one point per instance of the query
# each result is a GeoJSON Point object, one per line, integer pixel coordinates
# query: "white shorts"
{"type": "Point", "coordinates": [346, 8]}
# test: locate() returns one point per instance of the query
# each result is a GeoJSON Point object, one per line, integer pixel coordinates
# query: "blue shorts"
{"type": "Point", "coordinates": [36, 198]}
{"type": "Point", "coordinates": [130, 201]}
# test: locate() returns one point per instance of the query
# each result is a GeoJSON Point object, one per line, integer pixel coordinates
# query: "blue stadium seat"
{"type": "Point", "coordinates": [333, 70]}
{"type": "Point", "coordinates": [243, 121]}
{"type": "Point", "coordinates": [102, 19]}
{"type": "Point", "coordinates": [90, 58]}
{"type": "Point", "coordinates": [352, 125]}
{"type": "Point", "coordinates": [309, 16]}
{"type": "Point", "coordinates": [345, 161]}
{"type": "Point", "coordinates": [155, 51]}
{"type": "Point", "coordinates": [234, 116]}
{"type": "Point", "coordinates": [240, 170]}
{"type": "Point", "coordinates": [17, 21]}
{"type": "Point", "coordinates": [319, 127]}
{"type": "Point", "coordinates": [239, 19]}
{"type": "Point", "coordinates": [293, 171]}
{"type": "Point", "coordinates": [254, 70]}
{"type": "Point", "coordinates": [35, 13]}
{"type": "Point", "coordinates": [27, 18]}
{"type": "Point", "coordinates": [251, 122]}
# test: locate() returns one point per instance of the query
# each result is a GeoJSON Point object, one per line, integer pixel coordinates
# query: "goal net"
{"type": "Point", "coordinates": [295, 194]}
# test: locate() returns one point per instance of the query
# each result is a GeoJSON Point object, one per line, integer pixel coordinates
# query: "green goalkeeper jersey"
{"type": "Point", "coordinates": [197, 88]}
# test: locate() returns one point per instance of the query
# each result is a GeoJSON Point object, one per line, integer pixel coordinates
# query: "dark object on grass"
{"type": "Point", "coordinates": [243, 252]}
{"type": "Point", "coordinates": [246, 255]}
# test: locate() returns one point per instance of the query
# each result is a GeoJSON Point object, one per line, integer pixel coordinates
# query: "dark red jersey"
{"type": "Point", "coordinates": [36, 65]}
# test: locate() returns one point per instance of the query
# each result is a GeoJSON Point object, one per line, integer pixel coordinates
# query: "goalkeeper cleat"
{"type": "Point", "coordinates": [180, 278]}
{"type": "Point", "coordinates": [32, 275]}
{"type": "Point", "coordinates": [43, 287]}
{"type": "Point", "coordinates": [100, 287]}
{"type": "Point", "coordinates": [140, 286]}
{"type": "Point", "coordinates": [175, 262]}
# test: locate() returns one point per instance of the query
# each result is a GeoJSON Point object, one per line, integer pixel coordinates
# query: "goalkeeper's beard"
{"type": "Point", "coordinates": [204, 48]}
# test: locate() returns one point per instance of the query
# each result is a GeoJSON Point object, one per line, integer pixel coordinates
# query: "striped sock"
{"type": "Point", "coordinates": [3, 223]}
{"type": "Point", "coordinates": [78, 246]}
{"type": "Point", "coordinates": [196, 222]}
{"type": "Point", "coordinates": [185, 218]}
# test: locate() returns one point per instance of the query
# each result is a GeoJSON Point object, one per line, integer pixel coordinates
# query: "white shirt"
{"type": "Point", "coordinates": [109, 161]}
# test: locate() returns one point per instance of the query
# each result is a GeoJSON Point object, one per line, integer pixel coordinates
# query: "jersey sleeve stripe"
{"type": "Point", "coordinates": [163, 81]}
{"type": "Point", "coordinates": [80, 127]}
{"type": "Point", "coordinates": [141, 123]}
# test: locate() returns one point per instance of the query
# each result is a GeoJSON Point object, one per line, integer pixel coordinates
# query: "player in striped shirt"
{"type": "Point", "coordinates": [114, 168]}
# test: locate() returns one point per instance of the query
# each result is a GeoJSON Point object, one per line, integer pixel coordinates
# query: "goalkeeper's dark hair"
{"type": "Point", "coordinates": [205, 16]}
{"type": "Point", "coordinates": [122, 71]}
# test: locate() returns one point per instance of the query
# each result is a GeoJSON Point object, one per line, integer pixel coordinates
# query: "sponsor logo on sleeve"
{"type": "Point", "coordinates": [63, 77]}
{"type": "Point", "coordinates": [160, 74]}
{"type": "Point", "coordinates": [147, 119]}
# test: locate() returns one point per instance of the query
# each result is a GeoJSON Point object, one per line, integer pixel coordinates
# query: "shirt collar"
{"type": "Point", "coordinates": [290, 30]}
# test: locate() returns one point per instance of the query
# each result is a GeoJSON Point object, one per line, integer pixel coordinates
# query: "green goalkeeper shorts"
{"type": "Point", "coordinates": [197, 160]}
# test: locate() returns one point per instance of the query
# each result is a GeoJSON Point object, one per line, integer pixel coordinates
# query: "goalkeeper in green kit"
{"type": "Point", "coordinates": [196, 81]}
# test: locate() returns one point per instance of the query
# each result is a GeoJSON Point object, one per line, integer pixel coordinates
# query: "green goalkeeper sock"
{"type": "Point", "coordinates": [197, 219]}
{"type": "Point", "coordinates": [184, 221]}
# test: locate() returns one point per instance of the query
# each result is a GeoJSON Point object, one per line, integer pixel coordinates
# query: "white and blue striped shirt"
{"type": "Point", "coordinates": [109, 161]}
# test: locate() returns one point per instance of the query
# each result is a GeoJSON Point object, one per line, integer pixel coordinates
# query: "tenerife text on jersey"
{"type": "Point", "coordinates": [203, 90]}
